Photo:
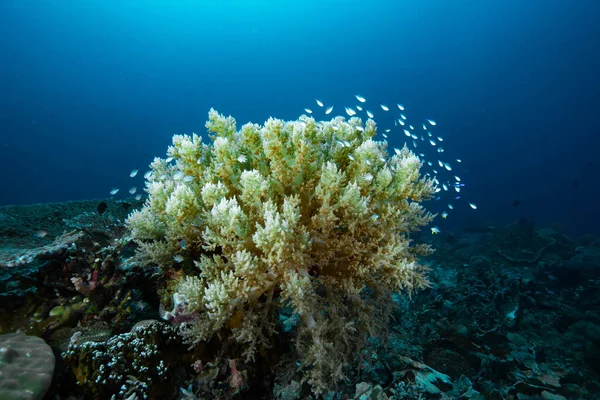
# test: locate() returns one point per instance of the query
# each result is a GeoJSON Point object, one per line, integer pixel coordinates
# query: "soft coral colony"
{"type": "Point", "coordinates": [308, 216]}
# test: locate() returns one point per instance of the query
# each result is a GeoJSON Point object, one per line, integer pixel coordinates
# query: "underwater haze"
{"type": "Point", "coordinates": [406, 206]}
{"type": "Point", "coordinates": [91, 90]}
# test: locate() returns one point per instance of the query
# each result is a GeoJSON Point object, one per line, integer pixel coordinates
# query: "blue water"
{"type": "Point", "coordinates": [90, 90]}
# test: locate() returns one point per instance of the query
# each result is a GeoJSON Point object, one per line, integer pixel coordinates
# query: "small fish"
{"type": "Point", "coordinates": [444, 215]}
{"type": "Point", "coordinates": [178, 175]}
{"type": "Point", "coordinates": [178, 258]}
{"type": "Point", "coordinates": [429, 134]}
{"type": "Point", "coordinates": [407, 132]}
{"type": "Point", "coordinates": [458, 160]}
{"type": "Point", "coordinates": [432, 142]}
{"type": "Point", "coordinates": [424, 127]}
{"type": "Point", "coordinates": [138, 196]}
{"type": "Point", "coordinates": [412, 128]}
{"type": "Point", "coordinates": [319, 102]}
{"type": "Point", "coordinates": [415, 137]}
{"type": "Point", "coordinates": [188, 178]}
{"type": "Point", "coordinates": [440, 150]}
{"type": "Point", "coordinates": [350, 156]}
{"type": "Point", "coordinates": [435, 230]}
{"type": "Point", "coordinates": [329, 110]}
{"type": "Point", "coordinates": [440, 139]}
{"type": "Point", "coordinates": [187, 393]}
{"type": "Point", "coordinates": [473, 206]}
{"type": "Point", "coordinates": [445, 187]}
{"type": "Point", "coordinates": [387, 130]}
{"type": "Point", "coordinates": [400, 107]}
{"type": "Point", "coordinates": [403, 116]}
{"type": "Point", "coordinates": [457, 178]}
{"type": "Point", "coordinates": [360, 98]}
{"type": "Point", "coordinates": [368, 177]}
{"type": "Point", "coordinates": [360, 128]}
{"type": "Point", "coordinates": [401, 122]}
{"type": "Point", "coordinates": [447, 166]}
{"type": "Point", "coordinates": [450, 206]}
{"type": "Point", "coordinates": [308, 110]}
{"type": "Point", "coordinates": [370, 114]}
{"type": "Point", "coordinates": [374, 217]}
{"type": "Point", "coordinates": [429, 163]}
{"type": "Point", "coordinates": [384, 107]}
{"type": "Point", "coordinates": [457, 189]}
{"type": "Point", "coordinates": [132, 190]}
{"type": "Point", "coordinates": [133, 173]}
{"type": "Point", "coordinates": [359, 108]}
{"type": "Point", "coordinates": [169, 159]}
{"type": "Point", "coordinates": [140, 305]}
{"type": "Point", "coordinates": [350, 112]}
{"type": "Point", "coordinates": [101, 207]}
{"type": "Point", "coordinates": [431, 122]}
{"type": "Point", "coordinates": [414, 144]}
{"type": "Point", "coordinates": [384, 135]}
{"type": "Point", "coordinates": [147, 174]}
{"type": "Point", "coordinates": [114, 191]}
{"type": "Point", "coordinates": [242, 158]}
{"type": "Point", "coordinates": [516, 203]}
{"type": "Point", "coordinates": [437, 190]}
{"type": "Point", "coordinates": [397, 150]}
{"type": "Point", "coordinates": [41, 233]}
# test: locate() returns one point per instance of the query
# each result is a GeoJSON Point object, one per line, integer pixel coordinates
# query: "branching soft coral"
{"type": "Point", "coordinates": [312, 215]}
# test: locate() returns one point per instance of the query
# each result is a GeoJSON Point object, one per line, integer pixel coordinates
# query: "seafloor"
{"type": "Point", "coordinates": [513, 313]}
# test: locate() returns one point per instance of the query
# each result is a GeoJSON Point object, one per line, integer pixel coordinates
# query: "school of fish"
{"type": "Point", "coordinates": [419, 138]}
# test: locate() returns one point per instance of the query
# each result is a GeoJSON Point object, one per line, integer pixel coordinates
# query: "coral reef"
{"type": "Point", "coordinates": [14, 258]}
{"type": "Point", "coordinates": [520, 242]}
{"type": "Point", "coordinates": [313, 215]}
{"type": "Point", "coordinates": [137, 363]}
{"type": "Point", "coordinates": [33, 242]}
{"type": "Point", "coordinates": [510, 311]}
{"type": "Point", "coordinates": [517, 328]}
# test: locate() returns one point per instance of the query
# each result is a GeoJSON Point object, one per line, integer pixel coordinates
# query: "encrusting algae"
{"type": "Point", "coordinates": [310, 216]}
